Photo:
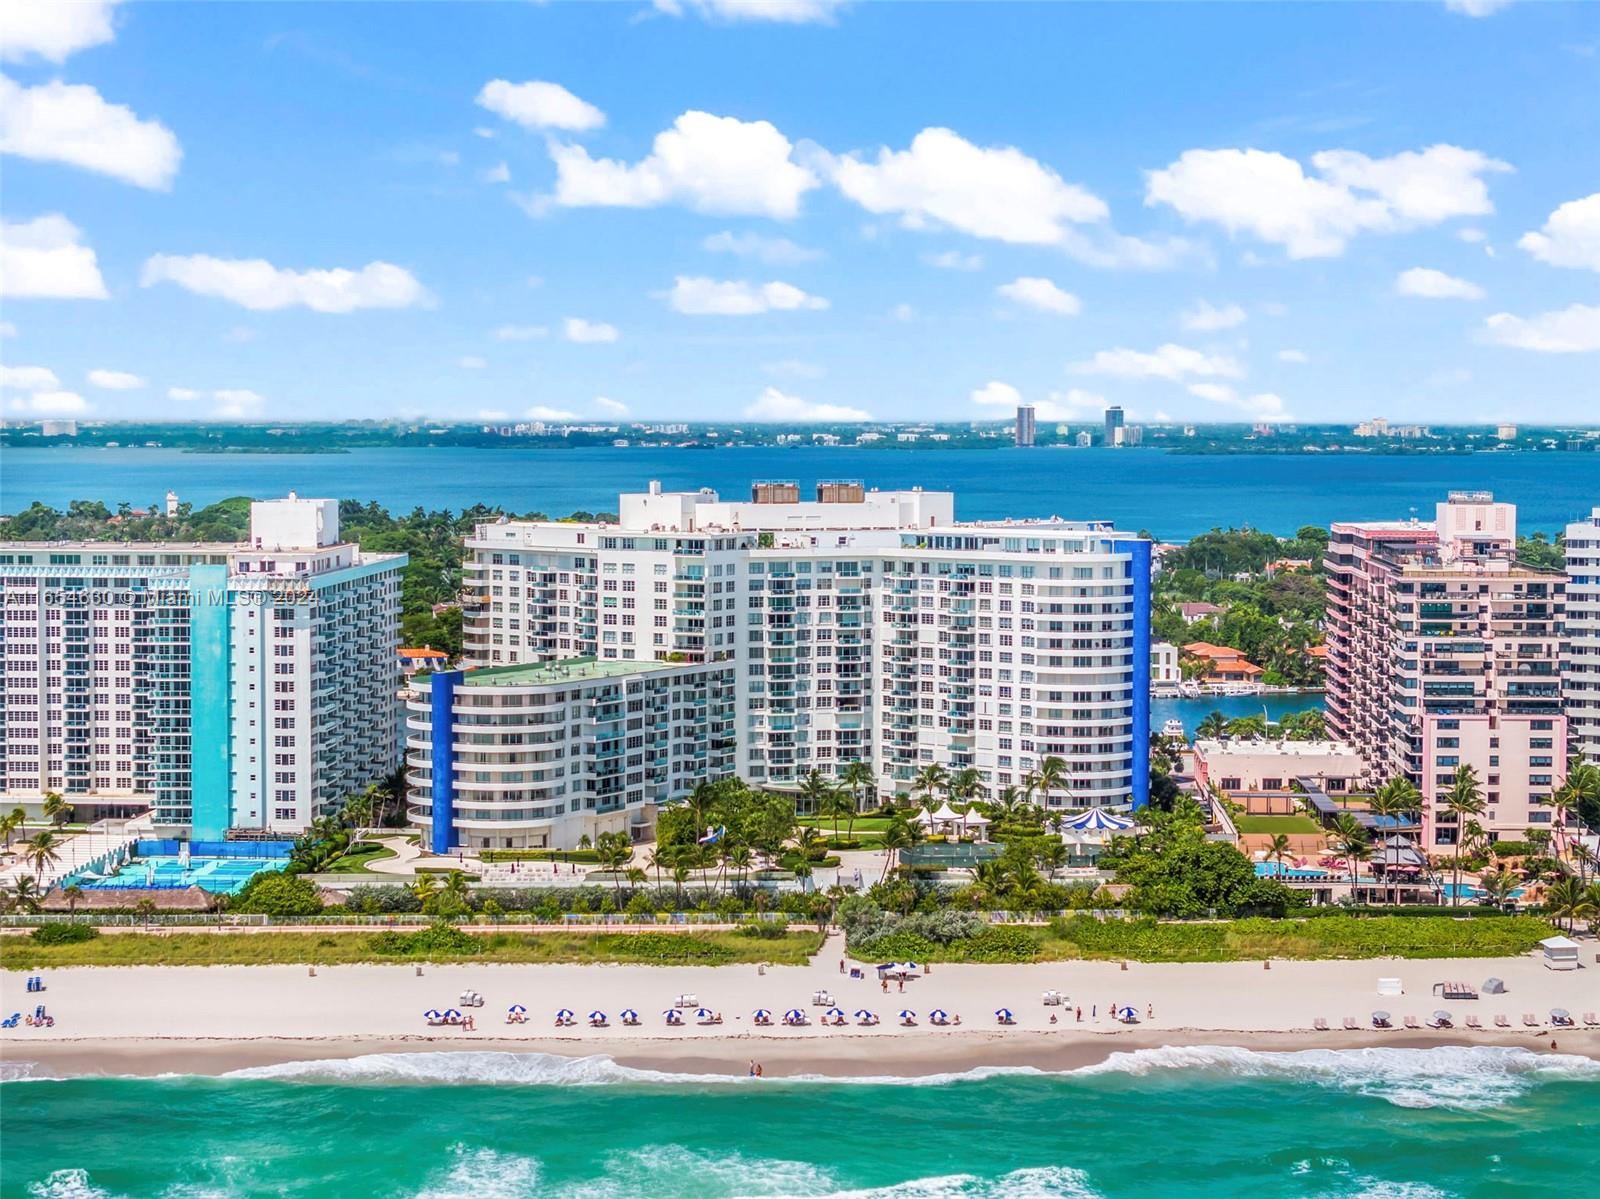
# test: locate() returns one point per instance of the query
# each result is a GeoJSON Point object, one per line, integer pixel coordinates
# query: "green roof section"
{"type": "Point", "coordinates": [567, 670]}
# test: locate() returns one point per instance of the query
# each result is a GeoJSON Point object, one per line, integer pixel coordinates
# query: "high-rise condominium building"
{"type": "Point", "coordinates": [1581, 670]}
{"type": "Point", "coordinates": [1443, 651]}
{"type": "Point", "coordinates": [1026, 426]}
{"type": "Point", "coordinates": [1114, 425]}
{"type": "Point", "coordinates": [228, 686]}
{"type": "Point", "coordinates": [856, 626]}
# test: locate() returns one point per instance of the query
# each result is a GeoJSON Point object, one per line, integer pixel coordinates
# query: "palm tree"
{"type": "Point", "coordinates": [425, 887]}
{"type": "Point", "coordinates": [1565, 900]}
{"type": "Point", "coordinates": [817, 791]}
{"type": "Point", "coordinates": [1350, 839]}
{"type": "Point", "coordinates": [701, 800]}
{"type": "Point", "coordinates": [56, 810]}
{"type": "Point", "coordinates": [896, 837]}
{"type": "Point", "coordinates": [1464, 799]}
{"type": "Point", "coordinates": [1582, 783]}
{"type": "Point", "coordinates": [1049, 776]}
{"type": "Point", "coordinates": [930, 780]}
{"type": "Point", "coordinates": [25, 894]}
{"type": "Point", "coordinates": [453, 895]}
{"type": "Point", "coordinates": [1497, 886]}
{"type": "Point", "coordinates": [1211, 727]}
{"type": "Point", "coordinates": [39, 851]}
{"type": "Point", "coordinates": [72, 894]}
{"type": "Point", "coordinates": [680, 875]}
{"type": "Point", "coordinates": [967, 783]}
{"type": "Point", "coordinates": [9, 825]}
{"type": "Point", "coordinates": [860, 780]}
{"type": "Point", "coordinates": [654, 861]}
{"type": "Point", "coordinates": [1278, 849]}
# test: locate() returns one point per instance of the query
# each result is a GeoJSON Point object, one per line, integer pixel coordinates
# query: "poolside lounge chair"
{"type": "Point", "coordinates": [1320, 1024]}
{"type": "Point", "coordinates": [1474, 1022]}
{"type": "Point", "coordinates": [1502, 1021]}
{"type": "Point", "coordinates": [1350, 1024]}
{"type": "Point", "coordinates": [1529, 1020]}
{"type": "Point", "coordinates": [1590, 1020]}
{"type": "Point", "coordinates": [1411, 1022]}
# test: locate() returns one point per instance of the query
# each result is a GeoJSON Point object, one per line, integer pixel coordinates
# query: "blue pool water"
{"type": "Point", "coordinates": [1274, 870]}
{"type": "Point", "coordinates": [220, 876]}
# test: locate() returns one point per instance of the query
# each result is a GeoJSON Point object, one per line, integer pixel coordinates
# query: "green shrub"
{"type": "Point", "coordinates": [443, 940]}
{"type": "Point", "coordinates": [764, 930]}
{"type": "Point", "coordinates": [681, 948]}
{"type": "Point", "coordinates": [279, 895]}
{"type": "Point", "coordinates": [999, 943]}
{"type": "Point", "coordinates": [64, 934]}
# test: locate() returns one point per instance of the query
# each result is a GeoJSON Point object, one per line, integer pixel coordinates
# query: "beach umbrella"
{"type": "Point", "coordinates": [597, 1015]}
{"type": "Point", "coordinates": [452, 1012]}
{"type": "Point", "coordinates": [564, 1014]}
{"type": "Point", "coordinates": [1003, 1013]}
{"type": "Point", "coordinates": [907, 1014]}
{"type": "Point", "coordinates": [761, 1013]}
{"type": "Point", "coordinates": [702, 1013]}
{"type": "Point", "coordinates": [938, 1013]}
{"type": "Point", "coordinates": [862, 1013]}
{"type": "Point", "coordinates": [794, 1013]}
{"type": "Point", "coordinates": [1560, 1015]}
{"type": "Point", "coordinates": [629, 1014]}
{"type": "Point", "coordinates": [905, 968]}
{"type": "Point", "coordinates": [517, 1009]}
{"type": "Point", "coordinates": [834, 1011]}
{"type": "Point", "coordinates": [1442, 1016]}
{"type": "Point", "coordinates": [1380, 1017]}
{"type": "Point", "coordinates": [673, 1017]}
{"type": "Point", "coordinates": [432, 1014]}
{"type": "Point", "coordinates": [1127, 1013]}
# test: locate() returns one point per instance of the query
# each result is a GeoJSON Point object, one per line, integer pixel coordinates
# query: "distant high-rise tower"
{"type": "Point", "coordinates": [1114, 425]}
{"type": "Point", "coordinates": [1025, 426]}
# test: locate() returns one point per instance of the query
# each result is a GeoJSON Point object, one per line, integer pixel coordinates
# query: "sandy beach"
{"type": "Point", "coordinates": [211, 1019]}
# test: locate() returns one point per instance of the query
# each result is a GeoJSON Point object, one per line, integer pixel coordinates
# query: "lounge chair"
{"type": "Point", "coordinates": [1350, 1024]}
{"type": "Point", "coordinates": [1474, 1022]}
{"type": "Point", "coordinates": [1590, 1020]}
{"type": "Point", "coordinates": [1411, 1022]}
{"type": "Point", "coordinates": [1502, 1021]}
{"type": "Point", "coordinates": [1529, 1020]}
{"type": "Point", "coordinates": [1320, 1024]}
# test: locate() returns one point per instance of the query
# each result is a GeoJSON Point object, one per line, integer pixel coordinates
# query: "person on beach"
{"type": "Point", "coordinates": [1080, 1014]}
{"type": "Point", "coordinates": [1149, 1011]}
{"type": "Point", "coordinates": [841, 965]}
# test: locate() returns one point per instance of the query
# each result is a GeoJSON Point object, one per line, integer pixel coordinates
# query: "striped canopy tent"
{"type": "Point", "coordinates": [1097, 820]}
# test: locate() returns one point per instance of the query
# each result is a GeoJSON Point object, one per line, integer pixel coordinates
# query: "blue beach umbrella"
{"type": "Point", "coordinates": [834, 1011]}
{"type": "Point", "coordinates": [629, 1014]}
{"type": "Point", "coordinates": [702, 1013]}
{"type": "Point", "coordinates": [794, 1013]}
{"type": "Point", "coordinates": [938, 1013]}
{"type": "Point", "coordinates": [564, 1014]}
{"type": "Point", "coordinates": [597, 1015]}
{"type": "Point", "coordinates": [907, 1014]}
{"type": "Point", "coordinates": [762, 1014]}
{"type": "Point", "coordinates": [451, 1012]}
{"type": "Point", "coordinates": [517, 1009]}
{"type": "Point", "coordinates": [863, 1014]}
{"type": "Point", "coordinates": [432, 1014]}
{"type": "Point", "coordinates": [1003, 1013]}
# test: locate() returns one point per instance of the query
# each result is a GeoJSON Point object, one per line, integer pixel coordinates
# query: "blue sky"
{"type": "Point", "coordinates": [799, 209]}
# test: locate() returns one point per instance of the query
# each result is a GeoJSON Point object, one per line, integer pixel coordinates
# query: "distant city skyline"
{"type": "Point", "coordinates": [813, 210]}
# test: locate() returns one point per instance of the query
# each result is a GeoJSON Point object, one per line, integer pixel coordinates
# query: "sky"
{"type": "Point", "coordinates": [800, 210]}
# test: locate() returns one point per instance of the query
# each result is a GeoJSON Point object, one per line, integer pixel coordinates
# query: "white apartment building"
{"type": "Point", "coordinates": [1238, 766]}
{"type": "Point", "coordinates": [858, 625]}
{"type": "Point", "coordinates": [1580, 675]}
{"type": "Point", "coordinates": [227, 686]}
{"type": "Point", "coordinates": [541, 755]}
{"type": "Point", "coordinates": [1164, 668]}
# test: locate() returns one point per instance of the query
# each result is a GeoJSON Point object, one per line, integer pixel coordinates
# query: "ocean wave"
{"type": "Point", "coordinates": [1464, 1077]}
{"type": "Point", "coordinates": [68, 1184]}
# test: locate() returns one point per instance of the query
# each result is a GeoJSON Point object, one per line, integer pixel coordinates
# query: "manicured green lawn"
{"type": "Point", "coordinates": [357, 859]}
{"type": "Point", "coordinates": [342, 948]}
{"type": "Point", "coordinates": [1272, 825]}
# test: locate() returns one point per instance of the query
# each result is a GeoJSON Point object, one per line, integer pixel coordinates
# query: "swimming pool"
{"type": "Point", "coordinates": [1274, 870]}
{"type": "Point", "coordinates": [164, 872]}
{"type": "Point", "coordinates": [1468, 891]}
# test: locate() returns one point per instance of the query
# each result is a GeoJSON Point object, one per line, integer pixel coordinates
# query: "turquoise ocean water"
{"type": "Point", "coordinates": [1456, 1123]}
{"type": "Point", "coordinates": [1174, 496]}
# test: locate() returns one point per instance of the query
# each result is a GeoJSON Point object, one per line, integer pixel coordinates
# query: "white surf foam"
{"type": "Point", "coordinates": [1455, 1076]}
{"type": "Point", "coordinates": [68, 1184]}
{"type": "Point", "coordinates": [485, 1174]}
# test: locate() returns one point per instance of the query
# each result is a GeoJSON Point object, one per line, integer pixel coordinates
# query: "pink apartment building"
{"type": "Point", "coordinates": [1444, 650]}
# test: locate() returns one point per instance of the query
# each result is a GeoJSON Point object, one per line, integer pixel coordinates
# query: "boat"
{"type": "Point", "coordinates": [1173, 730]}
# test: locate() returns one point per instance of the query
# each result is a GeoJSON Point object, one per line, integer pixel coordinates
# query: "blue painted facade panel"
{"type": "Point", "coordinates": [1139, 568]}
{"type": "Point", "coordinates": [210, 711]}
{"type": "Point", "coordinates": [442, 759]}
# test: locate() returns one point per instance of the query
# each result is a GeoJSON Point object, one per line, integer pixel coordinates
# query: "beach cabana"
{"type": "Point", "coordinates": [922, 819]}
{"type": "Point", "coordinates": [975, 824]}
{"type": "Point", "coordinates": [947, 818]}
{"type": "Point", "coordinates": [1097, 820]}
{"type": "Point", "coordinates": [1560, 953]}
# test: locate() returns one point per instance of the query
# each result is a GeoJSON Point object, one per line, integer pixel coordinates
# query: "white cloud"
{"type": "Point", "coordinates": [499, 173]}
{"type": "Point", "coordinates": [1571, 330]}
{"type": "Point", "coordinates": [256, 283]}
{"type": "Point", "coordinates": [44, 259]}
{"type": "Point", "coordinates": [1206, 318]}
{"type": "Point", "coordinates": [696, 295]}
{"type": "Point", "coordinates": [902, 313]}
{"type": "Point", "coordinates": [774, 405]}
{"type": "Point", "coordinates": [611, 407]}
{"type": "Point", "coordinates": [28, 378]}
{"type": "Point", "coordinates": [1476, 8]}
{"type": "Point", "coordinates": [540, 412]}
{"type": "Point", "coordinates": [71, 123]}
{"type": "Point", "coordinates": [182, 394]}
{"type": "Point", "coordinates": [483, 131]}
{"type": "Point", "coordinates": [520, 332]}
{"type": "Point", "coordinates": [52, 29]}
{"type": "Point", "coordinates": [1296, 356]}
{"type": "Point", "coordinates": [787, 12]}
{"type": "Point", "coordinates": [472, 363]}
{"type": "Point", "coordinates": [1172, 362]}
{"type": "Point", "coordinates": [1073, 404]}
{"type": "Point", "coordinates": [1571, 237]}
{"type": "Point", "coordinates": [236, 403]}
{"type": "Point", "coordinates": [588, 332]}
{"type": "Point", "coordinates": [1472, 235]}
{"type": "Point", "coordinates": [1034, 292]}
{"type": "Point", "coordinates": [709, 163]}
{"type": "Point", "coordinates": [52, 403]}
{"type": "Point", "coordinates": [944, 181]}
{"type": "Point", "coordinates": [1429, 284]}
{"type": "Point", "coordinates": [494, 414]}
{"type": "Point", "coordinates": [955, 260]}
{"type": "Point", "coordinates": [1271, 197]}
{"type": "Point", "coordinates": [115, 380]}
{"type": "Point", "coordinates": [540, 105]}
{"type": "Point", "coordinates": [1264, 406]}
{"type": "Point", "coordinates": [776, 251]}
{"type": "Point", "coordinates": [995, 394]}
